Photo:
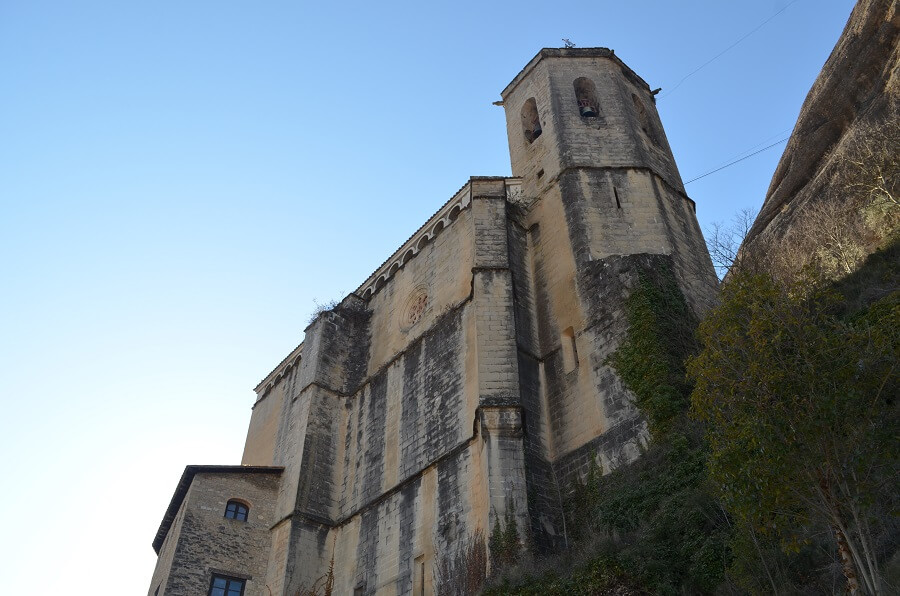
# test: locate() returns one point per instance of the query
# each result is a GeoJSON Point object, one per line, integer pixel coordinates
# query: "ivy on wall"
{"type": "Point", "coordinates": [652, 525]}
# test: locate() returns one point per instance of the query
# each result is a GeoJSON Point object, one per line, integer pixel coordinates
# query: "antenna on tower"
{"type": "Point", "coordinates": [568, 43]}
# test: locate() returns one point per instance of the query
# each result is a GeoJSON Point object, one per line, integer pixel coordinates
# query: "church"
{"type": "Point", "coordinates": [465, 383]}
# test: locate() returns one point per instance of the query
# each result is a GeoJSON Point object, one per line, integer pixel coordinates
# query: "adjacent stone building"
{"type": "Point", "coordinates": [465, 379]}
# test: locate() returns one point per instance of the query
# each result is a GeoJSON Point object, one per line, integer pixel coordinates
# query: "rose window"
{"type": "Point", "coordinates": [415, 308]}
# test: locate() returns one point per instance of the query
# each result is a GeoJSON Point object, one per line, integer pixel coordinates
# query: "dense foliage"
{"type": "Point", "coordinates": [799, 403]}
{"type": "Point", "coordinates": [650, 359]}
{"type": "Point", "coordinates": [783, 477]}
{"type": "Point", "coordinates": [600, 575]}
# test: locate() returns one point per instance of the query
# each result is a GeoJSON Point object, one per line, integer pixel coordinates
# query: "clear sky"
{"type": "Point", "coordinates": [179, 181]}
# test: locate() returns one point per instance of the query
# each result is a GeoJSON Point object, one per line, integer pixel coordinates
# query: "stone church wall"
{"type": "Point", "coordinates": [375, 469]}
{"type": "Point", "coordinates": [259, 448]}
{"type": "Point", "coordinates": [465, 381]}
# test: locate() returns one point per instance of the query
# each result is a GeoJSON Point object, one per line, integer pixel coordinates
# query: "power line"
{"type": "Point", "coordinates": [739, 154]}
{"type": "Point", "coordinates": [737, 161]}
{"type": "Point", "coordinates": [796, 134]}
{"type": "Point", "coordinates": [708, 62]}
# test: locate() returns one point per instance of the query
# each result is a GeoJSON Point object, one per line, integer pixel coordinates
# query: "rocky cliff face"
{"type": "Point", "coordinates": [857, 91]}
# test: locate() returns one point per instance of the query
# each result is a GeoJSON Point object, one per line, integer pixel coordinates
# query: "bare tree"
{"type": "Point", "coordinates": [723, 240]}
{"type": "Point", "coordinates": [870, 167]}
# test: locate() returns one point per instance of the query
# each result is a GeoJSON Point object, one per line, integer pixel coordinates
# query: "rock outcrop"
{"type": "Point", "coordinates": [858, 89]}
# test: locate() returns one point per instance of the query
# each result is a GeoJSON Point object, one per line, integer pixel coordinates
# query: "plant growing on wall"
{"type": "Point", "coordinates": [504, 544]}
{"type": "Point", "coordinates": [324, 586]}
{"type": "Point", "coordinates": [651, 358]}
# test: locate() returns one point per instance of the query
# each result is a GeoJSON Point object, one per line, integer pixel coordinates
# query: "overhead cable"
{"type": "Point", "coordinates": [708, 62]}
{"type": "Point", "coordinates": [736, 161]}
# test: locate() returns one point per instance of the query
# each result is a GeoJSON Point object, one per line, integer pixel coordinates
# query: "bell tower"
{"type": "Point", "coordinates": [583, 130]}
{"type": "Point", "coordinates": [602, 209]}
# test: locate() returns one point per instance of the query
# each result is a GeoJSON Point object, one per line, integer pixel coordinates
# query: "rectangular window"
{"type": "Point", "coordinates": [222, 585]}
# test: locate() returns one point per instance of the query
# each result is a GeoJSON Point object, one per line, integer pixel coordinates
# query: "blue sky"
{"type": "Point", "coordinates": [179, 181]}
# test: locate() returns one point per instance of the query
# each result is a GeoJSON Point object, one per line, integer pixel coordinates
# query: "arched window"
{"type": "Point", "coordinates": [236, 510]}
{"type": "Point", "coordinates": [644, 119]}
{"type": "Point", "coordinates": [531, 124]}
{"type": "Point", "coordinates": [586, 94]}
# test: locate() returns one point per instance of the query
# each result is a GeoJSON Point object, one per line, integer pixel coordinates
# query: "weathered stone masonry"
{"type": "Point", "coordinates": [466, 378]}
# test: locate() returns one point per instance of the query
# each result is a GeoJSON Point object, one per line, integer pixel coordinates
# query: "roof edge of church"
{"type": "Point", "coordinates": [571, 53]}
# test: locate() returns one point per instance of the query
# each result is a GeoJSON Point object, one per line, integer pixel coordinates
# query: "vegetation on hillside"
{"type": "Point", "coordinates": [799, 401]}
{"type": "Point", "coordinates": [783, 477]}
{"type": "Point", "coordinates": [797, 383]}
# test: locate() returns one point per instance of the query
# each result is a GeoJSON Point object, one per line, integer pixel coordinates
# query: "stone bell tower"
{"type": "Point", "coordinates": [584, 131]}
{"type": "Point", "coordinates": [602, 206]}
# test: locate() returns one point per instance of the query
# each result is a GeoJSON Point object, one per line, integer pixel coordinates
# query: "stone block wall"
{"type": "Point", "coordinates": [441, 271]}
{"type": "Point", "coordinates": [406, 416]}
{"type": "Point", "coordinates": [634, 211]}
{"type": "Point", "coordinates": [378, 428]}
{"type": "Point", "coordinates": [166, 555]}
{"type": "Point", "coordinates": [263, 430]}
{"type": "Point", "coordinates": [602, 200]}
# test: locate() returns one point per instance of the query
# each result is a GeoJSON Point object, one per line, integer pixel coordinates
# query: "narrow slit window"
{"type": "Point", "coordinates": [531, 124]}
{"type": "Point", "coordinates": [586, 95]}
{"type": "Point", "coordinates": [569, 352]}
{"type": "Point", "coordinates": [420, 576]}
{"type": "Point", "coordinates": [616, 194]}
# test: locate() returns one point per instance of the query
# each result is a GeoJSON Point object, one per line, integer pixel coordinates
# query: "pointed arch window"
{"type": "Point", "coordinates": [586, 95]}
{"type": "Point", "coordinates": [531, 123]}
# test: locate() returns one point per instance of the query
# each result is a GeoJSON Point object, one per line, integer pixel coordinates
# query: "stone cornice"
{"type": "Point", "coordinates": [279, 371]}
{"type": "Point", "coordinates": [573, 53]}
